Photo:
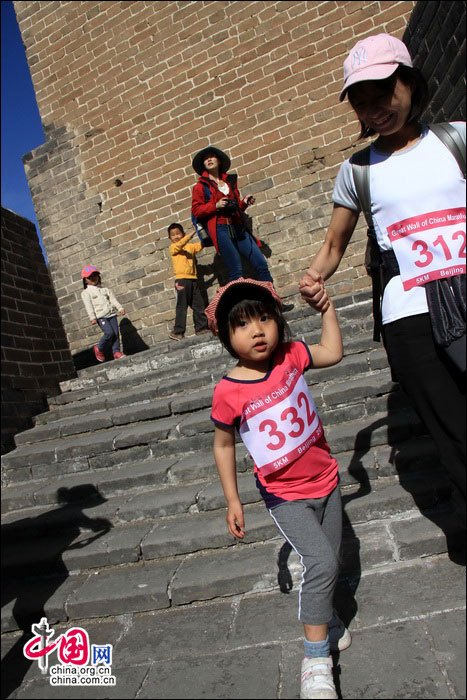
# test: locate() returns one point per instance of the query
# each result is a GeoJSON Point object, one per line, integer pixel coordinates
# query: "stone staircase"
{"type": "Point", "coordinates": [111, 503]}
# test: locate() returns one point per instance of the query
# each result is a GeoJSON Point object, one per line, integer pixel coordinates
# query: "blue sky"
{"type": "Point", "coordinates": [21, 127]}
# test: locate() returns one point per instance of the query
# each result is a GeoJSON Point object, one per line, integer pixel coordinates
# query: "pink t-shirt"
{"type": "Point", "coordinates": [278, 422]}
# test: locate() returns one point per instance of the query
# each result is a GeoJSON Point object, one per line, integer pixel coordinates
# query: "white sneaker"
{"type": "Point", "coordinates": [317, 680]}
{"type": "Point", "coordinates": [339, 636]}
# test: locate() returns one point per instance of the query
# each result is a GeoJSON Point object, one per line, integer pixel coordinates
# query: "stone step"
{"type": "Point", "coordinates": [137, 406]}
{"type": "Point", "coordinates": [354, 314]}
{"type": "Point", "coordinates": [193, 431]}
{"type": "Point", "coordinates": [135, 388]}
{"type": "Point", "coordinates": [217, 573]}
{"type": "Point", "coordinates": [142, 523]}
{"type": "Point", "coordinates": [102, 475]}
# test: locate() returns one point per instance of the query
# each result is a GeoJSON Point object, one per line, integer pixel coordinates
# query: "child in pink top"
{"type": "Point", "coordinates": [266, 398]}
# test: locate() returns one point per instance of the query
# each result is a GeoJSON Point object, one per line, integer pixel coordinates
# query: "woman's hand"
{"type": "Point", "coordinates": [235, 520]}
{"type": "Point", "coordinates": [248, 201]}
{"type": "Point", "coordinates": [222, 203]}
{"type": "Point", "coordinates": [94, 321]}
{"type": "Point", "coordinates": [312, 290]}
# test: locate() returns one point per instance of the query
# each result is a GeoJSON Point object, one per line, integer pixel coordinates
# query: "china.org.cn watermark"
{"type": "Point", "coordinates": [80, 663]}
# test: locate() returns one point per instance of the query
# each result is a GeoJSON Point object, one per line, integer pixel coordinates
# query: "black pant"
{"type": "Point", "coordinates": [435, 390]}
{"type": "Point", "coordinates": [189, 295]}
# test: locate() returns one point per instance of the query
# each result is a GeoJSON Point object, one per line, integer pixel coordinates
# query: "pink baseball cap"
{"type": "Point", "coordinates": [374, 58]}
{"type": "Point", "coordinates": [222, 293]}
{"type": "Point", "coordinates": [88, 270]}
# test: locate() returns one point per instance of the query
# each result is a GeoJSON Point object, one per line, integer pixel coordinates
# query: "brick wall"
{"type": "Point", "coordinates": [35, 353]}
{"type": "Point", "coordinates": [128, 92]}
{"type": "Point", "coordinates": [435, 36]}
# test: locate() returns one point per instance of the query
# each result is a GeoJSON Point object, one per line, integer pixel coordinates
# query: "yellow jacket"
{"type": "Point", "coordinates": [183, 258]}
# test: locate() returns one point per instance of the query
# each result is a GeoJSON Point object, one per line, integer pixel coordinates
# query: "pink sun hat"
{"type": "Point", "coordinates": [212, 310]}
{"type": "Point", "coordinates": [374, 58]}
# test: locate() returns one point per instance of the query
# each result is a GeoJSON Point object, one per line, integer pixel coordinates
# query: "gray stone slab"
{"type": "Point", "coordinates": [356, 467]}
{"type": "Point", "coordinates": [67, 549]}
{"type": "Point", "coordinates": [266, 617]}
{"type": "Point", "coordinates": [357, 389]}
{"type": "Point", "coordinates": [198, 531]}
{"type": "Point", "coordinates": [159, 502]}
{"type": "Point", "coordinates": [237, 569]}
{"type": "Point", "coordinates": [87, 445]}
{"type": "Point", "coordinates": [176, 445]}
{"type": "Point", "coordinates": [143, 434]}
{"type": "Point", "coordinates": [30, 598]}
{"type": "Point", "coordinates": [194, 466]}
{"type": "Point", "coordinates": [363, 434]}
{"type": "Point", "coordinates": [119, 546]}
{"type": "Point", "coordinates": [145, 391]}
{"type": "Point", "coordinates": [195, 423]}
{"type": "Point", "coordinates": [424, 586]}
{"type": "Point", "coordinates": [385, 500]}
{"type": "Point", "coordinates": [119, 479]}
{"type": "Point", "coordinates": [34, 685]}
{"type": "Point", "coordinates": [190, 533]}
{"type": "Point", "coordinates": [422, 536]}
{"type": "Point", "coordinates": [123, 589]}
{"type": "Point", "coordinates": [365, 546]}
{"type": "Point", "coordinates": [151, 472]}
{"type": "Point", "coordinates": [399, 663]}
{"type": "Point", "coordinates": [447, 632]}
{"type": "Point", "coordinates": [81, 407]}
{"type": "Point", "coordinates": [40, 433]}
{"type": "Point", "coordinates": [85, 423]}
{"type": "Point", "coordinates": [193, 402]}
{"type": "Point", "coordinates": [120, 457]}
{"type": "Point", "coordinates": [239, 674]}
{"type": "Point", "coordinates": [27, 455]}
{"type": "Point", "coordinates": [343, 413]}
{"type": "Point", "coordinates": [418, 453]}
{"type": "Point", "coordinates": [201, 628]}
{"type": "Point", "coordinates": [18, 496]}
{"type": "Point", "coordinates": [140, 412]}
{"type": "Point", "coordinates": [128, 682]}
{"type": "Point", "coordinates": [60, 468]}
{"type": "Point", "coordinates": [212, 496]}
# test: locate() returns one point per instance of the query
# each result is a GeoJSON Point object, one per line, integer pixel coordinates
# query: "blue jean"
{"type": "Point", "coordinates": [109, 327]}
{"type": "Point", "coordinates": [241, 244]}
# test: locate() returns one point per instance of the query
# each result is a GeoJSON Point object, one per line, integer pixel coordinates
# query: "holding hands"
{"type": "Point", "coordinates": [311, 287]}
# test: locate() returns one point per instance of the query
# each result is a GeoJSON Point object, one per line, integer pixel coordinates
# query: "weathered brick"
{"type": "Point", "coordinates": [259, 80]}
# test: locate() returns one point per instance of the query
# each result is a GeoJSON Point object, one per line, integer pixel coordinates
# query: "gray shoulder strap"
{"type": "Point", "coordinates": [451, 138]}
{"type": "Point", "coordinates": [360, 162]}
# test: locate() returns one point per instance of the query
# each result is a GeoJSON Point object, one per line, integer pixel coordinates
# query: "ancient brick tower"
{"type": "Point", "coordinates": [129, 91]}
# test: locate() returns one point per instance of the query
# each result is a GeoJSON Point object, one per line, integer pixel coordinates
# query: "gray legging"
{"type": "Point", "coordinates": [313, 526]}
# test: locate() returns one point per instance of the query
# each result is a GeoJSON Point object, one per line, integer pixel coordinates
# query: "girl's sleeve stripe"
{"type": "Point", "coordinates": [310, 359]}
{"type": "Point", "coordinates": [222, 425]}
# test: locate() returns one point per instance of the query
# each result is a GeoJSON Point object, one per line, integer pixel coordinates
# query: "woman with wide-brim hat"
{"type": "Point", "coordinates": [216, 202]}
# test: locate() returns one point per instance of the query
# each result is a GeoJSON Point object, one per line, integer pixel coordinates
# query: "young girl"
{"type": "Point", "coordinates": [265, 397]}
{"type": "Point", "coordinates": [101, 306]}
{"type": "Point", "coordinates": [417, 202]}
{"type": "Point", "coordinates": [216, 201]}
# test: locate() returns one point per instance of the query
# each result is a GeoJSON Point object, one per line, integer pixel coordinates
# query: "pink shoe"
{"type": "Point", "coordinates": [99, 354]}
{"type": "Point", "coordinates": [118, 355]}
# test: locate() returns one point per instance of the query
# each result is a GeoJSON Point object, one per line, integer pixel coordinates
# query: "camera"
{"type": "Point", "coordinates": [230, 207]}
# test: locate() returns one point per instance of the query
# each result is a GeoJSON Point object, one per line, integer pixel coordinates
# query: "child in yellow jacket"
{"type": "Point", "coordinates": [183, 255]}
